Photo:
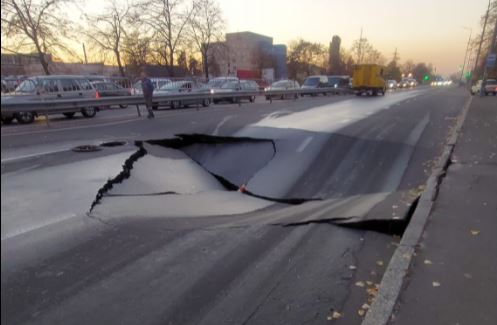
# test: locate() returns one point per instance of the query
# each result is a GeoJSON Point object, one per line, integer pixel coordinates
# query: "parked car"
{"type": "Point", "coordinates": [341, 83]}
{"type": "Point", "coordinates": [157, 82]}
{"type": "Point", "coordinates": [250, 85]}
{"type": "Point", "coordinates": [283, 85]}
{"type": "Point", "coordinates": [49, 88]}
{"type": "Point", "coordinates": [490, 87]}
{"type": "Point", "coordinates": [230, 87]}
{"type": "Point", "coordinates": [110, 89]}
{"type": "Point", "coordinates": [392, 84]}
{"type": "Point", "coordinates": [181, 87]}
{"type": "Point", "coordinates": [314, 82]}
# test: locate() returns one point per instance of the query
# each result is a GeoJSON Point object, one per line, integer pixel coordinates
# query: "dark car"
{"type": "Point", "coordinates": [183, 87]}
{"type": "Point", "coordinates": [110, 89]}
{"type": "Point", "coordinates": [233, 86]}
{"type": "Point", "coordinates": [341, 83]}
{"type": "Point", "coordinates": [283, 85]}
{"type": "Point", "coordinates": [314, 82]}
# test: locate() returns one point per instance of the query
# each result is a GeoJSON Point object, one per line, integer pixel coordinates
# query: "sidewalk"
{"type": "Point", "coordinates": [453, 277]}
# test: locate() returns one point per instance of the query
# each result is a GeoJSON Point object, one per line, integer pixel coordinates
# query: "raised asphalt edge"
{"type": "Point", "coordinates": [393, 279]}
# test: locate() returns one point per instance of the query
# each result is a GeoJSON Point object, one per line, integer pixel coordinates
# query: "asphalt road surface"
{"type": "Point", "coordinates": [173, 242]}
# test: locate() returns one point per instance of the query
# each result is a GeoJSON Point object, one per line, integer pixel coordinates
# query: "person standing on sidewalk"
{"type": "Point", "coordinates": [148, 92]}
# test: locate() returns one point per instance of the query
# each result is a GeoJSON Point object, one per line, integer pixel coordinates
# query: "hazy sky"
{"type": "Point", "coordinates": [422, 30]}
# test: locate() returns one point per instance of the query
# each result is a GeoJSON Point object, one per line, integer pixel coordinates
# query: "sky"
{"type": "Point", "coordinates": [432, 31]}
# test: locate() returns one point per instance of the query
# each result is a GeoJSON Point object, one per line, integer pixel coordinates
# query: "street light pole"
{"type": "Point", "coordinates": [466, 54]}
{"type": "Point", "coordinates": [481, 39]}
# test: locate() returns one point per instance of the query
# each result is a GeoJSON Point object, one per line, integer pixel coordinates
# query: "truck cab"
{"type": "Point", "coordinates": [368, 79]}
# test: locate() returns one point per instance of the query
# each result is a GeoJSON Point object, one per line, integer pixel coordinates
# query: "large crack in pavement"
{"type": "Point", "coordinates": [196, 169]}
{"type": "Point", "coordinates": [231, 161]}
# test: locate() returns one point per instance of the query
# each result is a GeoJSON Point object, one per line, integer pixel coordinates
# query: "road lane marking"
{"type": "Point", "coordinates": [52, 221]}
{"type": "Point", "coordinates": [218, 127]}
{"type": "Point", "coordinates": [6, 160]}
{"type": "Point", "coordinates": [304, 144]}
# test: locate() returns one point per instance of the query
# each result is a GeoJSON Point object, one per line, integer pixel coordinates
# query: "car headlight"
{"type": "Point", "coordinates": [212, 91]}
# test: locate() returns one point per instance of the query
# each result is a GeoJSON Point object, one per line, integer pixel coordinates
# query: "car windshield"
{"type": "Point", "coordinates": [311, 81]}
{"type": "Point", "coordinates": [491, 82]}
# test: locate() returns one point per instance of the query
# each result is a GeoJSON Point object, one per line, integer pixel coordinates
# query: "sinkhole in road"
{"type": "Point", "coordinates": [192, 169]}
{"type": "Point", "coordinates": [197, 175]}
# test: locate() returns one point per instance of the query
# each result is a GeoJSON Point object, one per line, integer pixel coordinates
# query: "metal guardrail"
{"type": "Point", "coordinates": [47, 107]}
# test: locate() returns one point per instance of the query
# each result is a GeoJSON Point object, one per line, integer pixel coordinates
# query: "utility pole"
{"type": "Point", "coordinates": [84, 52]}
{"type": "Point", "coordinates": [466, 55]}
{"type": "Point", "coordinates": [395, 57]}
{"type": "Point", "coordinates": [491, 51]}
{"type": "Point", "coordinates": [481, 39]}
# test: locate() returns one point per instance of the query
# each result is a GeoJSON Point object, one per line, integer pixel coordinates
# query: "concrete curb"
{"type": "Point", "coordinates": [396, 271]}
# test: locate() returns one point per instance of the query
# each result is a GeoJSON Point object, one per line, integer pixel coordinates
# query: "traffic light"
{"type": "Point", "coordinates": [426, 77]}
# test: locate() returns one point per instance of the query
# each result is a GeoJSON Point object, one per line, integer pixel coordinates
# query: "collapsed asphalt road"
{"type": "Point", "coordinates": [260, 263]}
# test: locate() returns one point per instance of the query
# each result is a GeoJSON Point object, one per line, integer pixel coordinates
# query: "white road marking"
{"type": "Point", "coordinates": [304, 144]}
{"type": "Point", "coordinates": [6, 160]}
{"type": "Point", "coordinates": [218, 127]}
{"type": "Point", "coordinates": [38, 226]}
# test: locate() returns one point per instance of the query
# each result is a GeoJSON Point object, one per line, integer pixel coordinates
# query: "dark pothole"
{"type": "Point", "coordinates": [86, 148]}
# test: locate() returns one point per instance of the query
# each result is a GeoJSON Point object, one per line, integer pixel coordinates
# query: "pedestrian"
{"type": "Point", "coordinates": [148, 92]}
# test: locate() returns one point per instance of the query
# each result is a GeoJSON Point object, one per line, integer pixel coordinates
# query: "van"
{"type": "Point", "coordinates": [49, 88]}
{"type": "Point", "coordinates": [368, 79]}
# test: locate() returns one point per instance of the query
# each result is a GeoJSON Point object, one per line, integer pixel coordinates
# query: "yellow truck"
{"type": "Point", "coordinates": [368, 79]}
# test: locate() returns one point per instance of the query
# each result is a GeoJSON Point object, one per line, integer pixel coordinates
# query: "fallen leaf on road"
{"type": "Point", "coordinates": [380, 263]}
{"type": "Point", "coordinates": [428, 262]}
{"type": "Point", "coordinates": [475, 232]}
{"type": "Point", "coordinates": [359, 284]}
{"type": "Point", "coordinates": [369, 283]}
{"type": "Point", "coordinates": [436, 284]}
{"type": "Point", "coordinates": [361, 312]}
{"type": "Point", "coordinates": [365, 306]}
{"type": "Point", "coordinates": [336, 315]}
{"type": "Point", "coordinates": [352, 267]}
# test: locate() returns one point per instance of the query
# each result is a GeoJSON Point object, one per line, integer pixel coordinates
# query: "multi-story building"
{"type": "Point", "coordinates": [247, 55]}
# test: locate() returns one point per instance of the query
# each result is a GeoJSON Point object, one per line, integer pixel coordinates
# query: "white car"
{"type": "Point", "coordinates": [392, 84]}
{"type": "Point", "coordinates": [490, 87]}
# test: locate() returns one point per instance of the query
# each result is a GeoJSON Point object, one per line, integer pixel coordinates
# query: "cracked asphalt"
{"type": "Point", "coordinates": [235, 269]}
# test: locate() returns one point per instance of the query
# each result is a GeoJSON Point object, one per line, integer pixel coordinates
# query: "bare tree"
{"type": "Point", "coordinates": [136, 52]}
{"type": "Point", "coordinates": [168, 21]}
{"type": "Point", "coordinates": [364, 52]}
{"type": "Point", "coordinates": [35, 25]}
{"type": "Point", "coordinates": [206, 26]}
{"type": "Point", "coordinates": [306, 58]}
{"type": "Point", "coordinates": [107, 31]}
{"type": "Point", "coordinates": [408, 66]}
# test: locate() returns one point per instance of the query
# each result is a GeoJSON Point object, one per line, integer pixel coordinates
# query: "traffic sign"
{"type": "Point", "coordinates": [491, 58]}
